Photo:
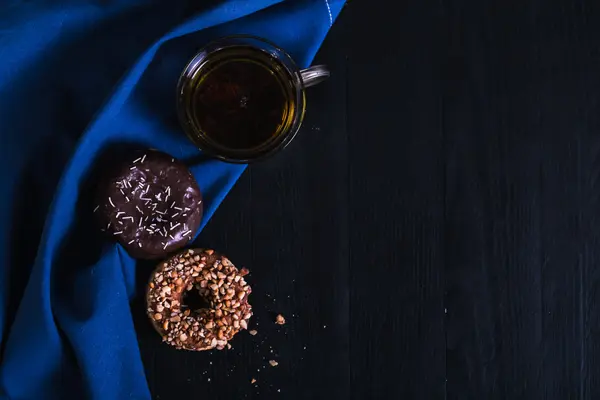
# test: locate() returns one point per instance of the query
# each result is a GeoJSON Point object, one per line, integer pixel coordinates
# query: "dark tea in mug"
{"type": "Point", "coordinates": [241, 98]}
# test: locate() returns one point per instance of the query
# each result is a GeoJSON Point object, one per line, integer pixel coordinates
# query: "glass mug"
{"type": "Point", "coordinates": [241, 98]}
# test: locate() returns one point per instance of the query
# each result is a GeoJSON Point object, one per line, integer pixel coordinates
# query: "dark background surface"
{"type": "Point", "coordinates": [433, 231]}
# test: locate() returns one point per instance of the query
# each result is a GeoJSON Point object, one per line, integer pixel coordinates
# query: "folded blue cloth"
{"type": "Point", "coordinates": [78, 78]}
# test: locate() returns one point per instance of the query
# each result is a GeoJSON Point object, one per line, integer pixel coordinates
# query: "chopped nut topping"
{"type": "Point", "coordinates": [218, 281]}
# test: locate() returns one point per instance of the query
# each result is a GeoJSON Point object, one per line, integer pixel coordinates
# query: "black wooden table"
{"type": "Point", "coordinates": [432, 233]}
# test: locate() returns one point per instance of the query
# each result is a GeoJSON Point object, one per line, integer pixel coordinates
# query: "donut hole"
{"type": "Point", "coordinates": [193, 300]}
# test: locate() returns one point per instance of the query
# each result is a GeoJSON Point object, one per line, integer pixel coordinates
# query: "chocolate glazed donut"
{"type": "Point", "coordinates": [219, 283]}
{"type": "Point", "coordinates": [151, 205]}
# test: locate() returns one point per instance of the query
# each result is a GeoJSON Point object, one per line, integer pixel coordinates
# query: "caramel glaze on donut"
{"type": "Point", "coordinates": [218, 282]}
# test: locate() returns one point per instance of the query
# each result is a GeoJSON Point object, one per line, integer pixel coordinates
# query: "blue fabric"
{"type": "Point", "coordinates": [78, 78]}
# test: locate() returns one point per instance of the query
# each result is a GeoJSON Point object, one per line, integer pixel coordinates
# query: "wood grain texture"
{"type": "Point", "coordinates": [396, 203]}
{"type": "Point", "coordinates": [521, 124]}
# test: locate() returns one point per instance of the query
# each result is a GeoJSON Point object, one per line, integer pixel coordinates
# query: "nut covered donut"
{"type": "Point", "coordinates": [220, 285]}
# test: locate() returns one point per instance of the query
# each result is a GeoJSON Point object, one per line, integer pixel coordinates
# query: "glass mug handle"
{"type": "Point", "coordinates": [314, 75]}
